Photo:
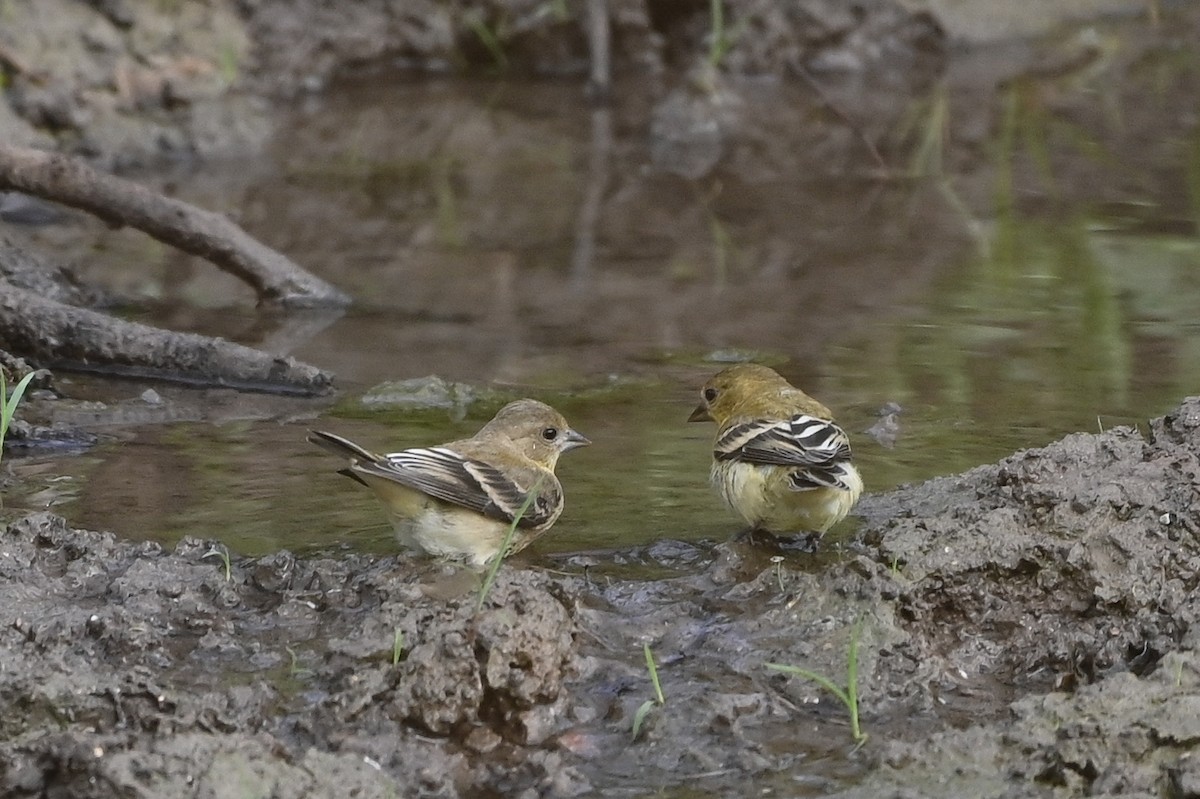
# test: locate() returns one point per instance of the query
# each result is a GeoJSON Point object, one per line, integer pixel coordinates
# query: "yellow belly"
{"type": "Point", "coordinates": [762, 497]}
{"type": "Point", "coordinates": [442, 530]}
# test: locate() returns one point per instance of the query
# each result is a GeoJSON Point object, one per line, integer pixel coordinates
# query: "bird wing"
{"type": "Point", "coordinates": [340, 446]}
{"type": "Point", "coordinates": [817, 448]}
{"type": "Point", "coordinates": [471, 483]}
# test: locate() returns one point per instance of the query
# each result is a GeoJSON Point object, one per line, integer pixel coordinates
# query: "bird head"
{"type": "Point", "coordinates": [538, 431]}
{"type": "Point", "coordinates": [731, 390]}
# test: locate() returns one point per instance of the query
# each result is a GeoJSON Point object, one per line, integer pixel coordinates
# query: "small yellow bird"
{"type": "Point", "coordinates": [779, 459]}
{"type": "Point", "coordinates": [456, 501]}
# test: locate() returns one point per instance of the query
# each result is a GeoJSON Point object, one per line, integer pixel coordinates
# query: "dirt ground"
{"type": "Point", "coordinates": [1030, 621]}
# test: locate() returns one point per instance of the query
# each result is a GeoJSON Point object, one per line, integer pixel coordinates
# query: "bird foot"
{"type": "Point", "coordinates": [805, 542]}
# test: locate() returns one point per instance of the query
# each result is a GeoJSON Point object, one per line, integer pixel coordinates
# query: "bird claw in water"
{"type": "Point", "coordinates": [804, 542]}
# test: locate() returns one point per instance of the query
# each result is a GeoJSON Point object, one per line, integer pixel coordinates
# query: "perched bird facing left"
{"type": "Point", "coordinates": [456, 501]}
{"type": "Point", "coordinates": [779, 459]}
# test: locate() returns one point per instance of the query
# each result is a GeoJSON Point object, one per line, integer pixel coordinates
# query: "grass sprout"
{"type": "Point", "coordinates": [848, 694]}
{"type": "Point", "coordinates": [717, 46]}
{"type": "Point", "coordinates": [721, 39]}
{"type": "Point", "coordinates": [221, 551]}
{"type": "Point", "coordinates": [505, 544]}
{"type": "Point", "coordinates": [8, 405]}
{"type": "Point", "coordinates": [639, 718]}
{"type": "Point", "coordinates": [556, 8]}
{"type": "Point", "coordinates": [295, 670]}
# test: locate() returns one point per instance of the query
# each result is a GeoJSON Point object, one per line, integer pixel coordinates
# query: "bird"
{"type": "Point", "coordinates": [457, 501]}
{"type": "Point", "coordinates": [779, 460]}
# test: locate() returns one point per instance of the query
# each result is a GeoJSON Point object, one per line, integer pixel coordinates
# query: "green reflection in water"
{"type": "Point", "coordinates": [259, 486]}
{"type": "Point", "coordinates": [1058, 326]}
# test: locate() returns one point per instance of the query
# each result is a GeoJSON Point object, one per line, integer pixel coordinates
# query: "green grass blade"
{"type": "Point", "coordinates": [8, 405]}
{"type": "Point", "coordinates": [716, 47]}
{"type": "Point", "coordinates": [505, 544]}
{"type": "Point", "coordinates": [653, 669]}
{"type": "Point", "coordinates": [639, 718]}
{"type": "Point", "coordinates": [820, 679]}
{"type": "Point", "coordinates": [852, 682]}
{"type": "Point", "coordinates": [221, 552]}
{"type": "Point", "coordinates": [489, 39]}
{"type": "Point", "coordinates": [19, 391]}
{"type": "Point", "coordinates": [848, 695]}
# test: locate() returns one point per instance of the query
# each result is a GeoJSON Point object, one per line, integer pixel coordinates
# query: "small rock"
{"type": "Point", "coordinates": [422, 393]}
{"type": "Point", "coordinates": [887, 429]}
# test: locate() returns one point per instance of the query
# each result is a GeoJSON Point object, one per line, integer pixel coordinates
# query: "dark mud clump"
{"type": "Point", "coordinates": [1027, 629]}
{"type": "Point", "coordinates": [135, 671]}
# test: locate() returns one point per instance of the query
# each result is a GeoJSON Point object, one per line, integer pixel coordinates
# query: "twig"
{"type": "Point", "coordinates": [275, 277]}
{"type": "Point", "coordinates": [58, 334]}
{"type": "Point", "coordinates": [833, 107]}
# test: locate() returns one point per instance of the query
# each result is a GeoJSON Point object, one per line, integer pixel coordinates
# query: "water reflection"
{"type": "Point", "coordinates": [512, 236]}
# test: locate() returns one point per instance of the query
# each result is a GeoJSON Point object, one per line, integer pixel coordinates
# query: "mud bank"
{"type": "Point", "coordinates": [137, 84]}
{"type": "Point", "coordinates": [132, 85]}
{"type": "Point", "coordinates": [1027, 630]}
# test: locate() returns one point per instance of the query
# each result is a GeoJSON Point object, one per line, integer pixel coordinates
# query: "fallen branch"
{"type": "Point", "coordinates": [210, 235]}
{"type": "Point", "coordinates": [55, 334]}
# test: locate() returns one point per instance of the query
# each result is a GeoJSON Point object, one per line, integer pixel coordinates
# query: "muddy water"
{"type": "Point", "coordinates": [510, 236]}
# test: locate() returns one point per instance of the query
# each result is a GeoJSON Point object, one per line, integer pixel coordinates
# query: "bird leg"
{"type": "Point", "coordinates": [802, 541]}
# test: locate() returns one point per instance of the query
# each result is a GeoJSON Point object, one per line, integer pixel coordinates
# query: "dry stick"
{"type": "Point", "coordinates": [54, 333]}
{"type": "Point", "coordinates": [828, 102]}
{"type": "Point", "coordinates": [210, 235]}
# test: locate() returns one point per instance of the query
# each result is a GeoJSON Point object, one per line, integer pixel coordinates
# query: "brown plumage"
{"type": "Point", "coordinates": [456, 501]}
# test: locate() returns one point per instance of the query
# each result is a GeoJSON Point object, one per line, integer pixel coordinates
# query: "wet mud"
{"type": "Point", "coordinates": [1025, 629]}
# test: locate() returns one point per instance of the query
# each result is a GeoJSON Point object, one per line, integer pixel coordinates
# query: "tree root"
{"type": "Point", "coordinates": [39, 313]}
{"type": "Point", "coordinates": [57, 334]}
{"type": "Point", "coordinates": [275, 277]}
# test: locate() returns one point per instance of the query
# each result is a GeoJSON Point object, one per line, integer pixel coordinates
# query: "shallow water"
{"type": "Point", "coordinates": [509, 236]}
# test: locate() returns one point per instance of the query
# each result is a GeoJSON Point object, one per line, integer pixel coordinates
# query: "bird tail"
{"type": "Point", "coordinates": [340, 446]}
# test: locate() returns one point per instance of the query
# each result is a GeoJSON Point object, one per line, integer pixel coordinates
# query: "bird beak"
{"type": "Point", "coordinates": [701, 414]}
{"type": "Point", "coordinates": [575, 439]}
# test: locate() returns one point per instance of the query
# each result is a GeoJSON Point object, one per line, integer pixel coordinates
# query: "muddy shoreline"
{"type": "Point", "coordinates": [1032, 619]}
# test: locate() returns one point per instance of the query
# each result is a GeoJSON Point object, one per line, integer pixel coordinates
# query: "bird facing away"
{"type": "Point", "coordinates": [779, 459]}
{"type": "Point", "coordinates": [456, 501]}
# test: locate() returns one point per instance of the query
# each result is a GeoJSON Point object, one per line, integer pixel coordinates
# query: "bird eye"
{"type": "Point", "coordinates": [710, 394]}
{"type": "Point", "coordinates": [550, 433]}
